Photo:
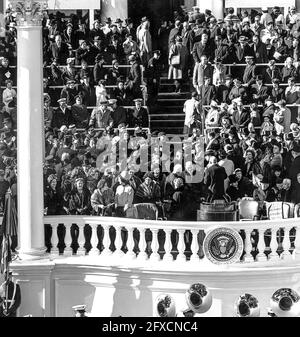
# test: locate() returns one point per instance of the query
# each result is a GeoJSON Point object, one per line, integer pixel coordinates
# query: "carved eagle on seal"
{"type": "Point", "coordinates": [223, 246]}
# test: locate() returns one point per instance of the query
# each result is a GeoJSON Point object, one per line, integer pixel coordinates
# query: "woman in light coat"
{"type": "Point", "coordinates": [178, 72]}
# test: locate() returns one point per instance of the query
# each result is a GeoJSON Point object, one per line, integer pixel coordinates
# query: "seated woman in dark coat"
{"type": "Point", "coordinates": [80, 199]}
{"type": "Point", "coordinates": [147, 192]}
{"type": "Point", "coordinates": [103, 198]}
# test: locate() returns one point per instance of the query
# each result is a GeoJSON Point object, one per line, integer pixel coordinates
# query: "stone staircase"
{"type": "Point", "coordinates": [167, 114]}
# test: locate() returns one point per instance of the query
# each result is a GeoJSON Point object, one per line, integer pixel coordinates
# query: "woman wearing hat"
{"type": "Point", "coordinates": [251, 167]}
{"type": "Point", "coordinates": [178, 63]}
{"type": "Point", "coordinates": [124, 195]}
{"type": "Point", "coordinates": [80, 199]}
{"type": "Point", "coordinates": [102, 200]}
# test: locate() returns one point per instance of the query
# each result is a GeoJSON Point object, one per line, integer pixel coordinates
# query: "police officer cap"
{"type": "Point", "coordinates": [112, 101]}
{"type": "Point", "coordinates": [138, 100]}
{"type": "Point", "coordinates": [62, 100]}
{"type": "Point", "coordinates": [79, 308]}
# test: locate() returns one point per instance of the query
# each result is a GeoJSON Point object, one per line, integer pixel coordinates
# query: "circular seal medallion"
{"type": "Point", "coordinates": [223, 245]}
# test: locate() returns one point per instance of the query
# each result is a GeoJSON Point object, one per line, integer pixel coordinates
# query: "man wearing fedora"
{"type": "Point", "coordinates": [83, 53]}
{"type": "Point", "coordinates": [243, 49]}
{"type": "Point", "coordinates": [133, 83]}
{"type": "Point", "coordinates": [120, 29]}
{"type": "Point", "coordinates": [69, 92]}
{"type": "Point", "coordinates": [101, 116]}
{"type": "Point", "coordinates": [96, 31]}
{"type": "Point", "coordinates": [258, 91]}
{"type": "Point", "coordinates": [48, 110]}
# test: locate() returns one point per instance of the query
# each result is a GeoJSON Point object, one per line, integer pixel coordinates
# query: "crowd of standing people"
{"type": "Point", "coordinates": [251, 130]}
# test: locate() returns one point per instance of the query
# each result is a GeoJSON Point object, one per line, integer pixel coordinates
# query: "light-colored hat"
{"type": "Point", "coordinates": [70, 60]}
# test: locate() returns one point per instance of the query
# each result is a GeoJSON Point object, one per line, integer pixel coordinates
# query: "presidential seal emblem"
{"type": "Point", "coordinates": [223, 246]}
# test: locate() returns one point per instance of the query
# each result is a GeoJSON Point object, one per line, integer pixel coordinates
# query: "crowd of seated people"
{"type": "Point", "coordinates": [251, 146]}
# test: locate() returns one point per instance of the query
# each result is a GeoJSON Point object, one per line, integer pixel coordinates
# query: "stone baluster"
{"type": "Point", "coordinates": [94, 240]}
{"type": "Point", "coordinates": [194, 246]}
{"type": "Point", "coordinates": [154, 246]}
{"type": "Point", "coordinates": [274, 245]}
{"type": "Point", "coordinates": [142, 245]}
{"type": "Point", "coordinates": [296, 253]}
{"type": "Point", "coordinates": [106, 241]}
{"type": "Point", "coordinates": [261, 256]}
{"type": "Point", "coordinates": [81, 240]}
{"type": "Point", "coordinates": [181, 246]}
{"type": "Point", "coordinates": [168, 246]}
{"type": "Point", "coordinates": [68, 239]}
{"type": "Point", "coordinates": [248, 246]}
{"type": "Point", "coordinates": [118, 242]}
{"type": "Point", "coordinates": [286, 244]}
{"type": "Point", "coordinates": [54, 239]}
{"type": "Point", "coordinates": [130, 245]}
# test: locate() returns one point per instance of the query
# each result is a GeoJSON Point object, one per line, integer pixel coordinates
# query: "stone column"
{"type": "Point", "coordinates": [30, 128]}
{"type": "Point", "coordinates": [114, 9]}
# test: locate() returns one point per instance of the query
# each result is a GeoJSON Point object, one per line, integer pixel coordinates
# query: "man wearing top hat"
{"type": "Point", "coordinates": [138, 117]}
{"type": "Point", "coordinates": [10, 297]}
{"type": "Point", "coordinates": [101, 116]}
{"type": "Point", "coordinates": [62, 115]}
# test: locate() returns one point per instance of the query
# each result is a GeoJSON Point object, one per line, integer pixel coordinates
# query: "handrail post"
{"type": "Point", "coordinates": [261, 245]}
{"type": "Point", "coordinates": [296, 252]}
{"type": "Point", "coordinates": [181, 246]}
{"type": "Point", "coordinates": [274, 244]}
{"type": "Point", "coordinates": [54, 239]}
{"type": "Point", "coordinates": [106, 240]}
{"type": "Point", "coordinates": [194, 246]}
{"type": "Point", "coordinates": [286, 244]}
{"type": "Point", "coordinates": [68, 239]}
{"type": "Point", "coordinates": [248, 246]}
{"type": "Point", "coordinates": [142, 256]}
{"type": "Point", "coordinates": [154, 246]}
{"type": "Point", "coordinates": [94, 240]}
{"type": "Point", "coordinates": [81, 239]}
